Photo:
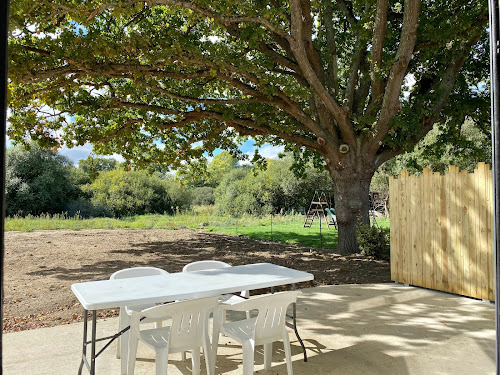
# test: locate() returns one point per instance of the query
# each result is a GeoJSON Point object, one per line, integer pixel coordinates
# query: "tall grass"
{"type": "Point", "coordinates": [280, 228]}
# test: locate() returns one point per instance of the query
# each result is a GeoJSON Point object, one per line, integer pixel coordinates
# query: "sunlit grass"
{"type": "Point", "coordinates": [279, 228]}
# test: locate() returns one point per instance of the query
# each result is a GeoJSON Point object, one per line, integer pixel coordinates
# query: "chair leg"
{"type": "Point", "coordinates": [161, 361]}
{"type": "Point", "coordinates": [213, 350]}
{"type": "Point", "coordinates": [132, 353]}
{"type": "Point", "coordinates": [118, 340]}
{"type": "Point", "coordinates": [124, 321]}
{"type": "Point", "coordinates": [183, 356]}
{"type": "Point", "coordinates": [248, 357]}
{"type": "Point", "coordinates": [207, 354]}
{"type": "Point", "coordinates": [268, 355]}
{"type": "Point", "coordinates": [288, 352]}
{"type": "Point", "coordinates": [195, 361]}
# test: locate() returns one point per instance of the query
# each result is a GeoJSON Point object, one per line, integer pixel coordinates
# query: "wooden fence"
{"type": "Point", "coordinates": [442, 231]}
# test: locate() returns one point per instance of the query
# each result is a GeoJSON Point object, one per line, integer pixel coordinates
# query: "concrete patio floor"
{"type": "Point", "coordinates": [347, 329]}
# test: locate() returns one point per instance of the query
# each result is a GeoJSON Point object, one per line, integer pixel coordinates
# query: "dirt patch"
{"type": "Point", "coordinates": [40, 266]}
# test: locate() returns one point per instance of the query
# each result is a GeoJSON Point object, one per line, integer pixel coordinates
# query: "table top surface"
{"type": "Point", "coordinates": [94, 295]}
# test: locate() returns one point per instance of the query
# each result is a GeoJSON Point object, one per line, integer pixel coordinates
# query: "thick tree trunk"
{"type": "Point", "coordinates": [352, 204]}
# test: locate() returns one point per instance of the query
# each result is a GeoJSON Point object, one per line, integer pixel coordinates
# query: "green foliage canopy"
{"type": "Point", "coordinates": [137, 74]}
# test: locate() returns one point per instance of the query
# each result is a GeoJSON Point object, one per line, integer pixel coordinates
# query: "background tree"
{"type": "Point", "coordinates": [180, 196]}
{"type": "Point", "coordinates": [349, 84]}
{"type": "Point", "coordinates": [203, 196]}
{"type": "Point", "coordinates": [92, 165]}
{"type": "Point", "coordinates": [463, 147]}
{"type": "Point", "coordinates": [220, 166]}
{"type": "Point", "coordinates": [274, 189]}
{"type": "Point", "coordinates": [38, 182]}
{"type": "Point", "coordinates": [193, 173]}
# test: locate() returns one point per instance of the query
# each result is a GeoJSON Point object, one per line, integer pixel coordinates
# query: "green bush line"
{"type": "Point", "coordinates": [287, 229]}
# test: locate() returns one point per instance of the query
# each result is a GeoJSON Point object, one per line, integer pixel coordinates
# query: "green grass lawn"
{"type": "Point", "coordinates": [288, 229]}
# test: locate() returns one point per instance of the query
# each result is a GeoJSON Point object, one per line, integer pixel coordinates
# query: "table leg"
{"type": "Point", "coordinates": [92, 344]}
{"type": "Point", "coordinates": [84, 350]}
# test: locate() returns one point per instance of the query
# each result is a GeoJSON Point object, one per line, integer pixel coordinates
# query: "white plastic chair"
{"type": "Point", "coordinates": [126, 312]}
{"type": "Point", "coordinates": [227, 299]}
{"type": "Point", "coordinates": [188, 330]}
{"type": "Point", "coordinates": [267, 327]}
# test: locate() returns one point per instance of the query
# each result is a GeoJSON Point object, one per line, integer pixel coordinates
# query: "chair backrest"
{"type": "Point", "coordinates": [204, 265]}
{"type": "Point", "coordinates": [271, 313]}
{"type": "Point", "coordinates": [137, 272]}
{"type": "Point", "coordinates": [210, 265]}
{"type": "Point", "coordinates": [188, 321]}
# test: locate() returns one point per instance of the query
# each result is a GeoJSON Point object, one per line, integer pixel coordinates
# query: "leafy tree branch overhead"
{"type": "Point", "coordinates": [350, 83]}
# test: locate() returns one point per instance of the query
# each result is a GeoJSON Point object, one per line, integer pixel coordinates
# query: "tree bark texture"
{"type": "Point", "coordinates": [352, 203]}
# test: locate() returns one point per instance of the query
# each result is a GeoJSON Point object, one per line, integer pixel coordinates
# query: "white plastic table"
{"type": "Point", "coordinates": [95, 295]}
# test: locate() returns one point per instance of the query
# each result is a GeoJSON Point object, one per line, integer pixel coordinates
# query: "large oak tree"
{"type": "Point", "coordinates": [349, 83]}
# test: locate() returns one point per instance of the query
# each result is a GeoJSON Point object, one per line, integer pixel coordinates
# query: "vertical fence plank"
{"type": "Point", "coordinates": [454, 251]}
{"type": "Point", "coordinates": [445, 227]}
{"type": "Point", "coordinates": [427, 235]}
{"type": "Point", "coordinates": [475, 258]}
{"type": "Point", "coordinates": [436, 231]}
{"type": "Point", "coordinates": [471, 244]}
{"type": "Point", "coordinates": [490, 254]}
{"type": "Point", "coordinates": [464, 240]}
{"type": "Point", "coordinates": [413, 229]}
{"type": "Point", "coordinates": [394, 229]}
{"type": "Point", "coordinates": [483, 242]}
{"type": "Point", "coordinates": [417, 230]}
{"type": "Point", "coordinates": [404, 233]}
{"type": "Point", "coordinates": [440, 230]}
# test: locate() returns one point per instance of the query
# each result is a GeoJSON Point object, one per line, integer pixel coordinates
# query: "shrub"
{"type": "Point", "coordinates": [275, 189]}
{"type": "Point", "coordinates": [202, 196]}
{"type": "Point", "coordinates": [180, 196]}
{"type": "Point", "coordinates": [130, 193]}
{"type": "Point", "coordinates": [84, 208]}
{"type": "Point", "coordinates": [38, 181]}
{"type": "Point", "coordinates": [373, 241]}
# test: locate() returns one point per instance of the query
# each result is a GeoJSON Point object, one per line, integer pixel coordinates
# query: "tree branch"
{"type": "Point", "coordinates": [307, 33]}
{"type": "Point", "coordinates": [390, 104]}
{"type": "Point", "coordinates": [444, 88]}
{"type": "Point", "coordinates": [346, 8]}
{"type": "Point", "coordinates": [359, 52]}
{"type": "Point", "coordinates": [298, 48]}
{"type": "Point", "coordinates": [333, 71]}
{"type": "Point", "coordinates": [379, 30]}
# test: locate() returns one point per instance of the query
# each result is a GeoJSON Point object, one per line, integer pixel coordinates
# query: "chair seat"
{"type": "Point", "coordinates": [229, 299]}
{"type": "Point", "coordinates": [156, 338]}
{"type": "Point", "coordinates": [129, 309]}
{"type": "Point", "coordinates": [241, 330]}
